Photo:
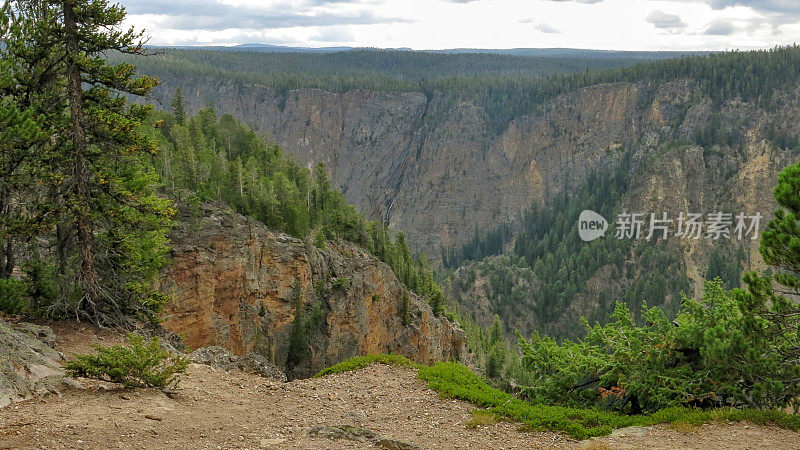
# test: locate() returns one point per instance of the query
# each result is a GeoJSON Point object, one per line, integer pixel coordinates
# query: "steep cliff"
{"type": "Point", "coordinates": [236, 284]}
{"type": "Point", "coordinates": [433, 168]}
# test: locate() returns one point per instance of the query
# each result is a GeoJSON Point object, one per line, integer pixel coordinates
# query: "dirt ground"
{"type": "Point", "coordinates": [387, 407]}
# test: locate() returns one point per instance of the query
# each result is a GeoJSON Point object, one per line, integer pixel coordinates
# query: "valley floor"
{"type": "Point", "coordinates": [383, 406]}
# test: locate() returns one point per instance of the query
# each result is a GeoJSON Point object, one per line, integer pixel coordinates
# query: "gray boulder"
{"type": "Point", "coordinates": [29, 365]}
{"type": "Point", "coordinates": [222, 358]}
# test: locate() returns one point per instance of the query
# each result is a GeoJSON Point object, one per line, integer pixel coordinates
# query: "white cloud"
{"type": "Point", "coordinates": [438, 24]}
{"type": "Point", "coordinates": [720, 27]}
{"type": "Point", "coordinates": [660, 19]}
{"type": "Point", "coordinates": [545, 28]}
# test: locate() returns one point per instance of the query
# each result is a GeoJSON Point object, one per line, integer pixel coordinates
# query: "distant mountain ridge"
{"type": "Point", "coordinates": [643, 55]}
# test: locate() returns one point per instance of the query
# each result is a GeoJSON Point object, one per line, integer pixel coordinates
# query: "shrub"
{"type": "Point", "coordinates": [403, 309]}
{"type": "Point", "coordinates": [12, 296]}
{"type": "Point", "coordinates": [453, 380]}
{"type": "Point", "coordinates": [723, 350]}
{"type": "Point", "coordinates": [360, 362]}
{"type": "Point", "coordinates": [141, 364]}
{"type": "Point", "coordinates": [319, 240]}
{"type": "Point", "coordinates": [341, 283]}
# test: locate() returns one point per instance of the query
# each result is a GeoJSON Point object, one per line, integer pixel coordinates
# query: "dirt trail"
{"type": "Point", "coordinates": [216, 409]}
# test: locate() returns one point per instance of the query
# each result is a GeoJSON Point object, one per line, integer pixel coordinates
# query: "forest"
{"type": "Point", "coordinates": [88, 179]}
{"type": "Point", "coordinates": [506, 86]}
{"type": "Point", "coordinates": [208, 158]}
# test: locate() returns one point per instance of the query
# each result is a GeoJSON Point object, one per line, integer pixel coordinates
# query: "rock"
{"type": "Point", "coordinates": [630, 431]}
{"type": "Point", "coordinates": [393, 444]}
{"type": "Point", "coordinates": [29, 366]}
{"type": "Point", "coordinates": [222, 358]}
{"type": "Point", "coordinates": [258, 364]}
{"type": "Point", "coordinates": [348, 432]}
{"type": "Point", "coordinates": [360, 434]}
{"type": "Point", "coordinates": [214, 356]}
{"type": "Point", "coordinates": [236, 284]}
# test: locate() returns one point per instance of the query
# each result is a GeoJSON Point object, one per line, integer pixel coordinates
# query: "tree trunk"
{"type": "Point", "coordinates": [83, 223]}
{"type": "Point", "coordinates": [6, 247]}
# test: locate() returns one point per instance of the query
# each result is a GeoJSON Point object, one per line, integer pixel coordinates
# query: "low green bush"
{"type": "Point", "coordinates": [727, 349]}
{"type": "Point", "coordinates": [341, 283]}
{"type": "Point", "coordinates": [453, 380]}
{"type": "Point", "coordinates": [360, 362]}
{"type": "Point", "coordinates": [142, 363]}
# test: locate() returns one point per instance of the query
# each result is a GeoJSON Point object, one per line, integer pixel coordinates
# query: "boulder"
{"type": "Point", "coordinates": [222, 358]}
{"type": "Point", "coordinates": [29, 365]}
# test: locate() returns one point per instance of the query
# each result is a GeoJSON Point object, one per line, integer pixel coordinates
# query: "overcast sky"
{"type": "Point", "coordinates": [440, 24]}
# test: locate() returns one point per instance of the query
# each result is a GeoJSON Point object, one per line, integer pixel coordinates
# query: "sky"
{"type": "Point", "coordinates": [496, 24]}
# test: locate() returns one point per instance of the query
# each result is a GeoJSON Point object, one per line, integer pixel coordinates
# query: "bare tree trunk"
{"type": "Point", "coordinates": [3, 253]}
{"type": "Point", "coordinates": [88, 273]}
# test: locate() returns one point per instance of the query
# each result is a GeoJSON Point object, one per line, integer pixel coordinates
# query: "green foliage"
{"type": "Point", "coordinates": [341, 283]}
{"type": "Point", "coordinates": [403, 309]}
{"type": "Point", "coordinates": [726, 265]}
{"type": "Point", "coordinates": [309, 320]}
{"type": "Point", "coordinates": [178, 107]}
{"type": "Point", "coordinates": [79, 163]}
{"type": "Point", "coordinates": [720, 351]}
{"type": "Point", "coordinates": [141, 364]}
{"type": "Point", "coordinates": [456, 381]}
{"type": "Point", "coordinates": [222, 159]}
{"type": "Point", "coordinates": [360, 362]}
{"type": "Point", "coordinates": [319, 240]}
{"type": "Point", "coordinates": [496, 355]}
{"type": "Point", "coordinates": [43, 284]}
{"type": "Point", "coordinates": [13, 295]}
{"type": "Point", "coordinates": [481, 246]}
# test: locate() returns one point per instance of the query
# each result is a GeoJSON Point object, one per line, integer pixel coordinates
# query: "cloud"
{"type": "Point", "coordinates": [777, 7]}
{"type": "Point", "coordinates": [720, 27]}
{"type": "Point", "coordinates": [545, 28]}
{"type": "Point", "coordinates": [212, 15]}
{"type": "Point", "coordinates": [660, 19]}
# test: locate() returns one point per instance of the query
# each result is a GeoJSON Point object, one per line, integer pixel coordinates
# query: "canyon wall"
{"type": "Point", "coordinates": [236, 284]}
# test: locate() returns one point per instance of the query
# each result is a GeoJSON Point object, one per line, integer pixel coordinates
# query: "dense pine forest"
{"type": "Point", "coordinates": [505, 86]}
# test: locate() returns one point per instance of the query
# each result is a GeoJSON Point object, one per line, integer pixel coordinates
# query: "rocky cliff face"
{"type": "Point", "coordinates": [432, 168]}
{"type": "Point", "coordinates": [236, 284]}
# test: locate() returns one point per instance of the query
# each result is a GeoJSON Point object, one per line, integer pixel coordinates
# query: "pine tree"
{"type": "Point", "coordinates": [178, 107]}
{"type": "Point", "coordinates": [496, 354]}
{"type": "Point", "coordinates": [28, 166]}
{"type": "Point", "coordinates": [19, 132]}
{"type": "Point", "coordinates": [108, 214]}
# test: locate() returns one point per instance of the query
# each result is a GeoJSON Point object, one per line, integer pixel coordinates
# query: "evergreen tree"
{"type": "Point", "coordinates": [178, 107]}
{"type": "Point", "coordinates": [110, 230]}
{"type": "Point", "coordinates": [496, 354]}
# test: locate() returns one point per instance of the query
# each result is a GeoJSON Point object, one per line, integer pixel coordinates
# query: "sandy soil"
{"type": "Point", "coordinates": [216, 409]}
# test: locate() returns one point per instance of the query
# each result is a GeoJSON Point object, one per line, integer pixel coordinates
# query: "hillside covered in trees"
{"type": "Point", "coordinates": [594, 136]}
{"type": "Point", "coordinates": [506, 86]}
{"type": "Point", "coordinates": [208, 158]}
